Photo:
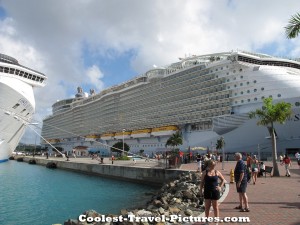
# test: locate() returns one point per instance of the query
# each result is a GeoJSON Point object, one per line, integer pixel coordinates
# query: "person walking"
{"type": "Point", "coordinates": [254, 169]}
{"type": "Point", "coordinates": [212, 190]}
{"type": "Point", "coordinates": [198, 163]}
{"type": "Point", "coordinates": [240, 177]}
{"type": "Point", "coordinates": [287, 163]}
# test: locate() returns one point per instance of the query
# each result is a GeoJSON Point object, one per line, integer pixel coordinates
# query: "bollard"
{"type": "Point", "coordinates": [231, 176]}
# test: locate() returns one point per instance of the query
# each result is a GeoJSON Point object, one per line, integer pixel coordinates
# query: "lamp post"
{"type": "Point", "coordinates": [123, 141]}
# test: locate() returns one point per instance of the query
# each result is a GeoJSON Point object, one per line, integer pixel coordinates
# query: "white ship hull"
{"type": "Point", "coordinates": [17, 102]}
{"type": "Point", "coordinates": [12, 127]}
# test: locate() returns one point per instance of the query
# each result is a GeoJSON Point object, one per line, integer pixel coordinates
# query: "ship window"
{"type": "Point", "coordinates": [248, 82]}
{"type": "Point", "coordinates": [235, 102]}
{"type": "Point", "coordinates": [254, 81]}
{"type": "Point", "coordinates": [17, 72]}
{"type": "Point", "coordinates": [297, 103]}
{"type": "Point", "coordinates": [12, 71]}
{"type": "Point", "coordinates": [234, 71]}
{"type": "Point", "coordinates": [242, 77]}
{"type": "Point", "coordinates": [262, 88]}
{"type": "Point", "coordinates": [262, 97]}
{"type": "Point", "coordinates": [221, 68]}
{"type": "Point", "coordinates": [26, 75]}
{"type": "Point", "coordinates": [248, 100]}
{"type": "Point", "coordinates": [234, 78]}
{"type": "Point", "coordinates": [255, 99]}
{"type": "Point", "coordinates": [21, 73]}
{"type": "Point", "coordinates": [30, 76]}
{"type": "Point", "coordinates": [6, 69]}
{"type": "Point", "coordinates": [270, 96]}
{"type": "Point", "coordinates": [242, 92]}
{"type": "Point", "coordinates": [279, 95]}
{"type": "Point", "coordinates": [241, 70]}
{"type": "Point", "coordinates": [228, 80]}
{"type": "Point", "coordinates": [242, 101]}
{"type": "Point", "coordinates": [248, 91]}
{"type": "Point", "coordinates": [241, 84]}
{"type": "Point", "coordinates": [227, 73]}
{"type": "Point", "coordinates": [255, 90]}
{"type": "Point", "coordinates": [16, 106]}
{"type": "Point", "coordinates": [228, 87]}
{"type": "Point", "coordinates": [235, 94]}
{"type": "Point", "coordinates": [23, 110]}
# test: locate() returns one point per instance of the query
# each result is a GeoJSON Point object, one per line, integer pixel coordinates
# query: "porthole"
{"type": "Point", "coordinates": [255, 99]}
{"type": "Point", "coordinates": [227, 73]}
{"type": "Point", "coordinates": [262, 88]}
{"type": "Point", "coordinates": [255, 90]}
{"type": "Point", "coordinates": [297, 103]}
{"type": "Point", "coordinates": [279, 95]}
{"type": "Point", "coordinates": [241, 70]}
{"type": "Point", "coordinates": [241, 84]}
{"type": "Point", "coordinates": [262, 97]}
{"type": "Point", "coordinates": [235, 85]}
{"type": "Point", "coordinates": [248, 91]}
{"type": "Point", "coordinates": [242, 92]}
{"type": "Point", "coordinates": [242, 101]}
{"type": "Point", "coordinates": [228, 80]}
{"type": "Point", "coordinates": [234, 78]}
{"type": "Point", "coordinates": [254, 81]}
{"type": "Point", "coordinates": [248, 100]}
{"type": "Point", "coordinates": [228, 87]}
{"type": "Point", "coordinates": [235, 102]}
{"type": "Point", "coordinates": [235, 94]}
{"type": "Point", "coordinates": [270, 96]}
{"type": "Point", "coordinates": [248, 82]}
{"type": "Point", "coordinates": [242, 77]}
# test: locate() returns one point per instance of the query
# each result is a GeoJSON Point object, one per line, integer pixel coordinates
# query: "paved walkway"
{"type": "Point", "coordinates": [272, 200]}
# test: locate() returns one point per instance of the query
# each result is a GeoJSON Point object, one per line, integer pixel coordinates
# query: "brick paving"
{"type": "Point", "coordinates": [272, 200]}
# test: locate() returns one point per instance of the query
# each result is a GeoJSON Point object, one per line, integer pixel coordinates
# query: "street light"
{"type": "Point", "coordinates": [123, 141]}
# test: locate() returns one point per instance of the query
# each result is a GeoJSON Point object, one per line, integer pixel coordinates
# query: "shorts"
{"type": "Point", "coordinates": [212, 194]}
{"type": "Point", "coordinates": [254, 170]}
{"type": "Point", "coordinates": [242, 188]}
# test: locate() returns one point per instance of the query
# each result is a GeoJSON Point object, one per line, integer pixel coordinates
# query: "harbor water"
{"type": "Point", "coordinates": [35, 195]}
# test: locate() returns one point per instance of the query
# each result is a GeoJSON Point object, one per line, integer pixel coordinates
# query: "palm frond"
{"type": "Point", "coordinates": [293, 28]}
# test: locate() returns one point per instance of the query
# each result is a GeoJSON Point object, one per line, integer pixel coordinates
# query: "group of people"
{"type": "Point", "coordinates": [210, 187]}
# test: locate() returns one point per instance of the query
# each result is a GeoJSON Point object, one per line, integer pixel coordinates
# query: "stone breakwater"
{"type": "Point", "coordinates": [179, 197]}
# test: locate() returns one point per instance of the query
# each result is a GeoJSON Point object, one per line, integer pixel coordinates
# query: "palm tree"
{"type": "Point", "coordinates": [220, 145]}
{"type": "Point", "coordinates": [293, 28]}
{"type": "Point", "coordinates": [268, 115]}
{"type": "Point", "coordinates": [175, 140]}
{"type": "Point", "coordinates": [118, 147]}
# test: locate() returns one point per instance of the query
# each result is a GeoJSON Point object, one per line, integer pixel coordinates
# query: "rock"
{"type": "Point", "coordinates": [157, 203]}
{"type": "Point", "coordinates": [124, 212]}
{"type": "Point", "coordinates": [71, 222]}
{"type": "Point", "coordinates": [174, 210]}
{"type": "Point", "coordinates": [188, 212]}
{"type": "Point", "coordinates": [161, 211]}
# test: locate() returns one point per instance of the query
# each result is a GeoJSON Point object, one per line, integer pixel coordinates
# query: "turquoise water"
{"type": "Point", "coordinates": [35, 195]}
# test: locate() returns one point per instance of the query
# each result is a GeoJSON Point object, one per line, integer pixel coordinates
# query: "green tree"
{"type": "Point", "coordinates": [268, 115]}
{"type": "Point", "coordinates": [293, 28]}
{"type": "Point", "coordinates": [118, 147]}
{"type": "Point", "coordinates": [220, 143]}
{"type": "Point", "coordinates": [174, 140]}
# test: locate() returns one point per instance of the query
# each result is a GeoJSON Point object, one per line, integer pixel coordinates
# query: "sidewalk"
{"type": "Point", "coordinates": [272, 200]}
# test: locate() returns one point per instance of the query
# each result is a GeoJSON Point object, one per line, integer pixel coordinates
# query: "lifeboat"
{"type": "Point", "coordinates": [91, 137]}
{"type": "Point", "coordinates": [107, 136]}
{"type": "Point", "coordinates": [141, 133]}
{"type": "Point", "coordinates": [164, 131]}
{"type": "Point", "coordinates": [126, 134]}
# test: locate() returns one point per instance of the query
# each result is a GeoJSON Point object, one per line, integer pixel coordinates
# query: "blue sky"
{"type": "Point", "coordinates": [98, 43]}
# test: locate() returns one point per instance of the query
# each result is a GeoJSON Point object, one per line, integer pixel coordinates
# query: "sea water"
{"type": "Point", "coordinates": [36, 195]}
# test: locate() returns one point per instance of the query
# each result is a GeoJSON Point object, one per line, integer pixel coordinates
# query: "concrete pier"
{"type": "Point", "coordinates": [143, 172]}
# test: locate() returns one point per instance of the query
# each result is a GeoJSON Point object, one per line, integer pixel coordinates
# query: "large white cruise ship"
{"type": "Point", "coordinates": [204, 97]}
{"type": "Point", "coordinates": [16, 101]}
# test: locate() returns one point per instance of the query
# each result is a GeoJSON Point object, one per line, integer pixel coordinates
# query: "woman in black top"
{"type": "Point", "coordinates": [212, 189]}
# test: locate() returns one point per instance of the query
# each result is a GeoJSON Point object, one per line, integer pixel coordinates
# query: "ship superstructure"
{"type": "Point", "coordinates": [16, 101]}
{"type": "Point", "coordinates": [204, 97]}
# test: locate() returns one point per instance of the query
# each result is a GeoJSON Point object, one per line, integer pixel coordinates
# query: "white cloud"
{"type": "Point", "coordinates": [51, 35]}
{"type": "Point", "coordinates": [95, 75]}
